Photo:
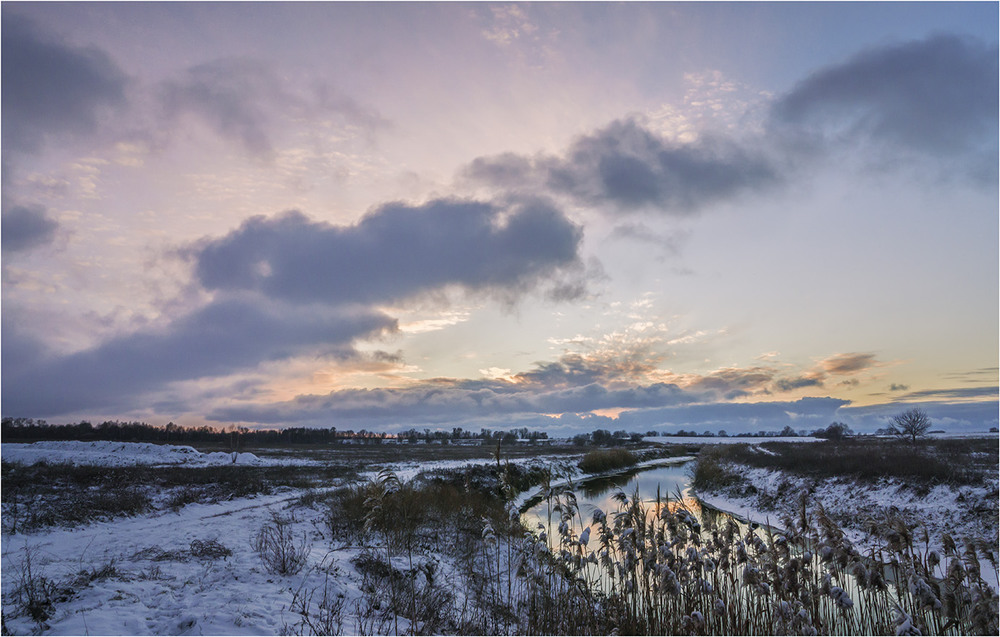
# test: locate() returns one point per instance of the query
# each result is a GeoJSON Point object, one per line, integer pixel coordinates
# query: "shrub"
{"type": "Point", "coordinates": [209, 549]}
{"type": "Point", "coordinates": [34, 594]}
{"type": "Point", "coordinates": [277, 547]}
{"type": "Point", "coordinates": [710, 471]}
{"type": "Point", "coordinates": [600, 460]}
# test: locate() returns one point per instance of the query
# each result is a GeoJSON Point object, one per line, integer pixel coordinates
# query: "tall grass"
{"type": "Point", "coordinates": [654, 568]}
{"type": "Point", "coordinates": [600, 460]}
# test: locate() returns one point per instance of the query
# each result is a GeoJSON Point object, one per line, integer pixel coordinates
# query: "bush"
{"type": "Point", "coordinates": [278, 549]}
{"type": "Point", "coordinates": [607, 460]}
{"type": "Point", "coordinates": [209, 549]}
{"type": "Point", "coordinates": [34, 594]}
{"type": "Point", "coordinates": [710, 471]}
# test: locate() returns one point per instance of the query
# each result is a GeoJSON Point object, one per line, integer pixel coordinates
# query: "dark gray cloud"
{"type": "Point", "coordinates": [627, 167]}
{"type": "Point", "coordinates": [395, 252]}
{"type": "Point", "coordinates": [936, 96]}
{"type": "Point", "coordinates": [51, 89]}
{"type": "Point", "coordinates": [228, 335]}
{"type": "Point", "coordinates": [26, 227]}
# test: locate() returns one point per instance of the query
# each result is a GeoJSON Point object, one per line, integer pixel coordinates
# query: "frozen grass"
{"type": "Point", "coordinates": [45, 494]}
{"type": "Point", "coordinates": [957, 461]}
{"type": "Point", "coordinates": [600, 460]}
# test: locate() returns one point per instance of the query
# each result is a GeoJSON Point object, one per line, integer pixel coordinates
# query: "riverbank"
{"type": "Point", "coordinates": [868, 510]}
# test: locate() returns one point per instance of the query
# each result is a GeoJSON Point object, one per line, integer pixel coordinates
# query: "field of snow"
{"type": "Point", "coordinates": [726, 440]}
{"type": "Point", "coordinates": [117, 454]}
{"type": "Point", "coordinates": [150, 575]}
{"type": "Point", "coordinates": [158, 586]}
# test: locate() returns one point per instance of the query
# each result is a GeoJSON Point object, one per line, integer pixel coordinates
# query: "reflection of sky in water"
{"type": "Point", "coordinates": [599, 493]}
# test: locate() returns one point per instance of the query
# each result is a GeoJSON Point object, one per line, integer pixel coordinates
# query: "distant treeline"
{"type": "Point", "coordinates": [13, 429]}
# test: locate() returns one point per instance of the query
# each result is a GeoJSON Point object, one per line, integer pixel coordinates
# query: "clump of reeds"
{"type": "Point", "coordinates": [600, 460]}
{"type": "Point", "coordinates": [657, 569]}
{"type": "Point", "coordinates": [654, 567]}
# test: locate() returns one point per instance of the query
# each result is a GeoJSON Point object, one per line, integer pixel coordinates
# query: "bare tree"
{"type": "Point", "coordinates": [912, 424]}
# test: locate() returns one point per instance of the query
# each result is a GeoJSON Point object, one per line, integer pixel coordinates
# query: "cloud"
{"type": "Point", "coordinates": [449, 401]}
{"type": "Point", "coordinates": [730, 383]}
{"type": "Point", "coordinates": [289, 286]}
{"type": "Point", "coordinates": [628, 167]}
{"type": "Point", "coordinates": [804, 413]}
{"type": "Point", "coordinates": [936, 96]}
{"type": "Point", "coordinates": [227, 335]}
{"type": "Point", "coordinates": [952, 394]}
{"type": "Point", "coordinates": [981, 375]}
{"type": "Point", "coordinates": [944, 414]}
{"type": "Point", "coordinates": [791, 384]}
{"type": "Point", "coordinates": [241, 99]}
{"type": "Point", "coordinates": [395, 252]}
{"type": "Point", "coordinates": [574, 385]}
{"type": "Point", "coordinates": [26, 227]}
{"type": "Point", "coordinates": [852, 363]}
{"type": "Point", "coordinates": [53, 90]}
{"type": "Point", "coordinates": [231, 96]}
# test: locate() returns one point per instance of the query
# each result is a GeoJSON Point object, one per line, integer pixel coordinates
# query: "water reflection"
{"type": "Point", "coordinates": [670, 483]}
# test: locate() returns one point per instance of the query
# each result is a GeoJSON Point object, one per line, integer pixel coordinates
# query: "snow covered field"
{"type": "Point", "coordinates": [723, 440]}
{"type": "Point", "coordinates": [119, 454]}
{"type": "Point", "coordinates": [192, 570]}
{"type": "Point", "coordinates": [195, 569]}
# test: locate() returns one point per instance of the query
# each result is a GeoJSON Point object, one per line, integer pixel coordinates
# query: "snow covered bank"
{"type": "Point", "coordinates": [964, 512]}
{"type": "Point", "coordinates": [118, 454]}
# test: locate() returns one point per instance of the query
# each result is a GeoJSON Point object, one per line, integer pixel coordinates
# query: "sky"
{"type": "Point", "coordinates": [560, 216]}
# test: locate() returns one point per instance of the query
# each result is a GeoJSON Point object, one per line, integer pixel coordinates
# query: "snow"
{"type": "Point", "coordinates": [944, 508]}
{"type": "Point", "coordinates": [724, 440]}
{"type": "Point", "coordinates": [158, 586]}
{"type": "Point", "coordinates": [117, 454]}
{"type": "Point", "coordinates": [407, 471]}
{"type": "Point", "coordinates": [183, 596]}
